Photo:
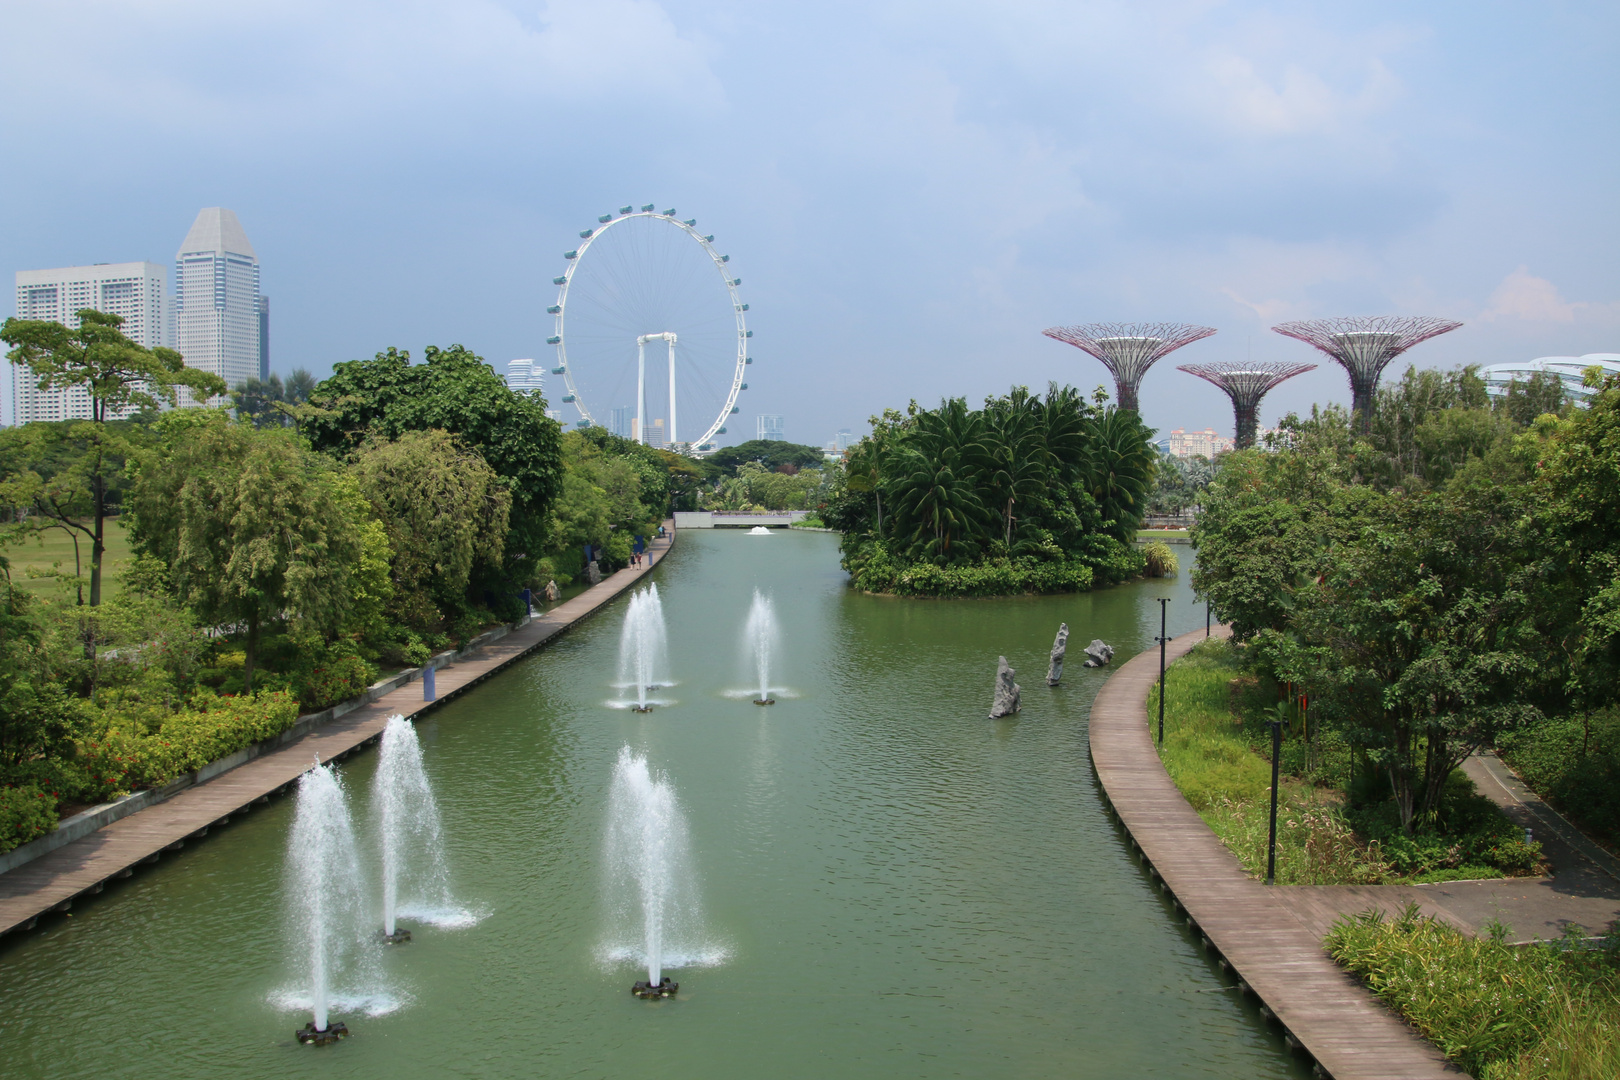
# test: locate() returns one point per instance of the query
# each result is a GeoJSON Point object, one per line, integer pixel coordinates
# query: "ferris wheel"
{"type": "Point", "coordinates": [651, 332]}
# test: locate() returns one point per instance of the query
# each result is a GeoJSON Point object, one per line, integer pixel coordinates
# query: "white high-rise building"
{"type": "Point", "coordinates": [216, 285]}
{"type": "Point", "coordinates": [525, 377]}
{"type": "Point", "coordinates": [768, 426]}
{"type": "Point", "coordinates": [136, 290]}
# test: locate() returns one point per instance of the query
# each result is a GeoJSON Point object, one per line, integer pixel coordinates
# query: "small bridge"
{"type": "Point", "coordinates": [722, 519]}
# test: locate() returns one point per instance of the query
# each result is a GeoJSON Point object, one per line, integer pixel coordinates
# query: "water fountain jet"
{"type": "Point", "coordinates": [643, 648]}
{"type": "Point", "coordinates": [759, 640]}
{"type": "Point", "coordinates": [323, 879]}
{"type": "Point", "coordinates": [649, 869]}
{"type": "Point", "coordinates": [410, 832]}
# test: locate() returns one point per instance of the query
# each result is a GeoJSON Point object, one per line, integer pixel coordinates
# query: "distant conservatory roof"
{"type": "Point", "coordinates": [1569, 370]}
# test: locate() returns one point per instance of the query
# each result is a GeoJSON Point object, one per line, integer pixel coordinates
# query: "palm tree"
{"type": "Point", "coordinates": [1119, 473]}
{"type": "Point", "coordinates": [1016, 455]}
{"type": "Point", "coordinates": [935, 494]}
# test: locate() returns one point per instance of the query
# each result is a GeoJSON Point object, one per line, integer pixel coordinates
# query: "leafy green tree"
{"type": "Point", "coordinates": [271, 402]}
{"type": "Point", "coordinates": [1577, 479]}
{"type": "Point", "coordinates": [452, 390]}
{"type": "Point", "coordinates": [443, 510]}
{"type": "Point", "coordinates": [771, 453]}
{"type": "Point", "coordinates": [38, 719]}
{"type": "Point", "coordinates": [255, 526]}
{"type": "Point", "coordinates": [119, 377]}
{"type": "Point", "coordinates": [1414, 641]}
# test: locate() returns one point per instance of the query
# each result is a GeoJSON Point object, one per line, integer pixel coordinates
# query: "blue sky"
{"type": "Point", "coordinates": [911, 191]}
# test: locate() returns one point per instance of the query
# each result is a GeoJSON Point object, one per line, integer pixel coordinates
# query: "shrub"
{"type": "Point", "coordinates": [1544, 1010]}
{"type": "Point", "coordinates": [325, 674]}
{"type": "Point", "coordinates": [1161, 561]}
{"type": "Point", "coordinates": [874, 569]}
{"type": "Point", "coordinates": [1576, 770]}
{"type": "Point", "coordinates": [26, 813]}
{"type": "Point", "coordinates": [212, 728]}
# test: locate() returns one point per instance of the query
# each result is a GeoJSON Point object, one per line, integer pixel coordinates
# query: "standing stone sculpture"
{"type": "Point", "coordinates": [1099, 653]}
{"type": "Point", "coordinates": [552, 593]}
{"type": "Point", "coordinates": [1005, 702]}
{"type": "Point", "coordinates": [593, 573]}
{"type": "Point", "coordinates": [1054, 671]}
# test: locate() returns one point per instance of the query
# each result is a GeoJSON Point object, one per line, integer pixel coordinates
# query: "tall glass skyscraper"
{"type": "Point", "coordinates": [220, 321]}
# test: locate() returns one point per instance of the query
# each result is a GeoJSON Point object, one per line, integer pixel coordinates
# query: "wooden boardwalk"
{"type": "Point", "coordinates": [1321, 1008]}
{"type": "Point", "coordinates": [83, 867]}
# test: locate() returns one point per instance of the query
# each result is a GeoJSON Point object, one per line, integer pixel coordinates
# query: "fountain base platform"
{"type": "Point", "coordinates": [648, 992]}
{"type": "Point", "coordinates": [764, 701]}
{"type": "Point", "coordinates": [641, 708]}
{"type": "Point", "coordinates": [399, 937]}
{"type": "Point", "coordinates": [310, 1036]}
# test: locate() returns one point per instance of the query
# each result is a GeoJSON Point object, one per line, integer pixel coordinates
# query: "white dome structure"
{"type": "Point", "coordinates": [1569, 369]}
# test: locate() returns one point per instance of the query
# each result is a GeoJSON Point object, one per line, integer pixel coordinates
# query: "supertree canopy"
{"type": "Point", "coordinates": [1364, 346]}
{"type": "Point", "coordinates": [1246, 383]}
{"type": "Point", "coordinates": [1129, 349]}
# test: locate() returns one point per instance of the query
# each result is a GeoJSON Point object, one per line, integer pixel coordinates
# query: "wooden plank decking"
{"type": "Point", "coordinates": [1348, 1032]}
{"type": "Point", "coordinates": [84, 867]}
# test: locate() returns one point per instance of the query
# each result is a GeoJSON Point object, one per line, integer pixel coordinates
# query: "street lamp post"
{"type": "Point", "coordinates": [1271, 840]}
{"type": "Point", "coordinates": [1163, 600]}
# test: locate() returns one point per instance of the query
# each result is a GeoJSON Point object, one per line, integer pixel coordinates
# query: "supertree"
{"type": "Point", "coordinates": [1364, 346]}
{"type": "Point", "coordinates": [1129, 349]}
{"type": "Point", "coordinates": [1246, 384]}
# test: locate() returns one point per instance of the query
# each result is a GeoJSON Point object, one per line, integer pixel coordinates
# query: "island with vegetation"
{"type": "Point", "coordinates": [1029, 494]}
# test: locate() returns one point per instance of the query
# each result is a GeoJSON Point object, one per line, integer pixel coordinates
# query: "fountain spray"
{"type": "Point", "coordinates": [759, 642]}
{"type": "Point", "coordinates": [409, 829]}
{"type": "Point", "coordinates": [324, 889]}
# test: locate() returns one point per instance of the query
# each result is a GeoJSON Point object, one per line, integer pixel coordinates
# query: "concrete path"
{"type": "Point", "coordinates": [1323, 1009]}
{"type": "Point", "coordinates": [52, 882]}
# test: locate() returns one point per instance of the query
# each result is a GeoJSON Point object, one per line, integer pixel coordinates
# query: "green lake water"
{"type": "Point", "coordinates": [898, 886]}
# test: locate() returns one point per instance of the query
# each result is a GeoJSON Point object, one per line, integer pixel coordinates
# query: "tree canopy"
{"type": "Point", "coordinates": [452, 390]}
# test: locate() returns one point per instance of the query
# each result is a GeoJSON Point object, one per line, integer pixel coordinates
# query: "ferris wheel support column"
{"type": "Point", "coordinates": [641, 390]}
{"type": "Point", "coordinates": [670, 437]}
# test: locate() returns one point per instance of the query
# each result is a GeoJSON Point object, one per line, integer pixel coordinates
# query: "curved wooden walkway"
{"type": "Point", "coordinates": [1322, 1009]}
{"type": "Point", "coordinates": [84, 867]}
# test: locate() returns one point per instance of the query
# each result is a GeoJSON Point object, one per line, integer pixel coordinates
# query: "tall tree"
{"type": "Point", "coordinates": [120, 377]}
{"type": "Point", "coordinates": [255, 526]}
{"type": "Point", "coordinates": [444, 510]}
{"type": "Point", "coordinates": [455, 391]}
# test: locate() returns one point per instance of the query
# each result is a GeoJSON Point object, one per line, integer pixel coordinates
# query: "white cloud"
{"type": "Point", "coordinates": [1522, 295]}
{"type": "Point", "coordinates": [1296, 102]}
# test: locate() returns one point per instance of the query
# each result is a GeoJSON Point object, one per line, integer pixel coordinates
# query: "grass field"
{"type": "Point", "coordinates": [52, 552]}
{"type": "Point", "coordinates": [1143, 536]}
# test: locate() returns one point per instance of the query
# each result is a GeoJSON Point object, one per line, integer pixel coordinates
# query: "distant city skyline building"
{"type": "Point", "coordinates": [655, 432]}
{"type": "Point", "coordinates": [769, 427]}
{"type": "Point", "coordinates": [264, 337]}
{"type": "Point", "coordinates": [525, 377]}
{"type": "Point", "coordinates": [137, 291]}
{"type": "Point", "coordinates": [1206, 443]}
{"type": "Point", "coordinates": [621, 421]}
{"type": "Point", "coordinates": [219, 317]}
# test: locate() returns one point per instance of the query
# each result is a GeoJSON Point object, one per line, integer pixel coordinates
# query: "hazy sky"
{"type": "Point", "coordinates": [911, 191]}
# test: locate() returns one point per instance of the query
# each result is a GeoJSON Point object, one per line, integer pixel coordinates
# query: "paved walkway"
{"type": "Point", "coordinates": [55, 880]}
{"type": "Point", "coordinates": [1322, 1008]}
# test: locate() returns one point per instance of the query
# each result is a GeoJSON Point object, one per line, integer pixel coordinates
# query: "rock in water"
{"type": "Point", "coordinates": [1054, 671]}
{"type": "Point", "coordinates": [1005, 702]}
{"type": "Point", "coordinates": [552, 592]}
{"type": "Point", "coordinates": [593, 573]}
{"type": "Point", "coordinates": [1100, 652]}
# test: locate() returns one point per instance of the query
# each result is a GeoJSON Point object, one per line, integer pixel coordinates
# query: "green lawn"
{"type": "Point", "coordinates": [1144, 536]}
{"type": "Point", "coordinates": [52, 552]}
